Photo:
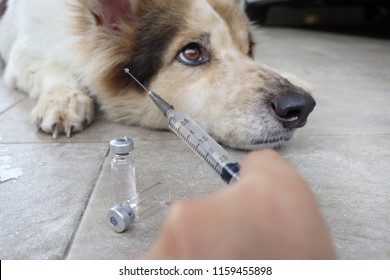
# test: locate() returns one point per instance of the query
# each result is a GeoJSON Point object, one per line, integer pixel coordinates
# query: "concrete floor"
{"type": "Point", "coordinates": [55, 193]}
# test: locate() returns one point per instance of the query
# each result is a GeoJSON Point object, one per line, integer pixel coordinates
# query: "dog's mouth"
{"type": "Point", "coordinates": [267, 141]}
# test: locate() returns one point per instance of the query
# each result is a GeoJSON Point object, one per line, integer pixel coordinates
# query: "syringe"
{"type": "Point", "coordinates": [196, 138]}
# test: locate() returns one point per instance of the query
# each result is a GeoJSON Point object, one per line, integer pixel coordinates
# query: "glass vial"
{"type": "Point", "coordinates": [140, 207]}
{"type": "Point", "coordinates": [149, 201]}
{"type": "Point", "coordinates": [122, 170]}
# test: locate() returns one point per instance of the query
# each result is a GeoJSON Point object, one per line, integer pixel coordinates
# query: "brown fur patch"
{"type": "Point", "coordinates": [139, 46]}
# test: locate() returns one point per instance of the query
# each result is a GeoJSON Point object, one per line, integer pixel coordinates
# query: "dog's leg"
{"type": "Point", "coordinates": [62, 103]}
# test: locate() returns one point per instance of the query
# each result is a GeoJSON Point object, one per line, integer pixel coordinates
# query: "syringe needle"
{"type": "Point", "coordinates": [127, 70]}
{"type": "Point", "coordinates": [157, 99]}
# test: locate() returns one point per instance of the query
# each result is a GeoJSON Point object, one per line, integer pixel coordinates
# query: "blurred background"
{"type": "Point", "coordinates": [360, 17]}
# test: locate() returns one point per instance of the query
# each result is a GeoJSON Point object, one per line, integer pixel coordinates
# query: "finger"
{"type": "Point", "coordinates": [262, 160]}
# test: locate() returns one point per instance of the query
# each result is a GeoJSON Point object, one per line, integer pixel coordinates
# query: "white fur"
{"type": "Point", "coordinates": [41, 63]}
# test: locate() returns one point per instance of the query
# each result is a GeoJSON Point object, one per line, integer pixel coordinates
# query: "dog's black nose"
{"type": "Point", "coordinates": [292, 109]}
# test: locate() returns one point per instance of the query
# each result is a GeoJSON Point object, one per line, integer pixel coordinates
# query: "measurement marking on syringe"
{"type": "Point", "coordinates": [206, 156]}
{"type": "Point", "coordinates": [215, 167]}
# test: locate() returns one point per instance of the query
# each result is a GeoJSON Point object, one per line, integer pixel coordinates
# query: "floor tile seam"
{"type": "Point", "coordinates": [86, 204]}
{"type": "Point", "coordinates": [13, 105]}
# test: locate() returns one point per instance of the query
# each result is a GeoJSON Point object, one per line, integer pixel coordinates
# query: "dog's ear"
{"type": "Point", "coordinates": [112, 13]}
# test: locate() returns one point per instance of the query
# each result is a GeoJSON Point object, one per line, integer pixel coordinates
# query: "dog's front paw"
{"type": "Point", "coordinates": [63, 112]}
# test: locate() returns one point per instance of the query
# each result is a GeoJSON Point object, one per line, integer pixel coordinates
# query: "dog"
{"type": "Point", "coordinates": [70, 56]}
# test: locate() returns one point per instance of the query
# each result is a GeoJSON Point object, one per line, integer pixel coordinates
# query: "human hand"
{"type": "Point", "coordinates": [270, 213]}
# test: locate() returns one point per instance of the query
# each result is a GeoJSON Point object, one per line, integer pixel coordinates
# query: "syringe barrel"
{"type": "Point", "coordinates": [203, 145]}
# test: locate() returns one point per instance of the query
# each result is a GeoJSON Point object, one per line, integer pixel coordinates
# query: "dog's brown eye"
{"type": "Point", "coordinates": [193, 54]}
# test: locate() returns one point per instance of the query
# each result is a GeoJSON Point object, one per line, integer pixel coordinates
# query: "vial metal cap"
{"type": "Point", "coordinates": [118, 219]}
{"type": "Point", "coordinates": [121, 146]}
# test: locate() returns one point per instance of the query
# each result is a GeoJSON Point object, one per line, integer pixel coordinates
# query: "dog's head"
{"type": "Point", "coordinates": [198, 56]}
